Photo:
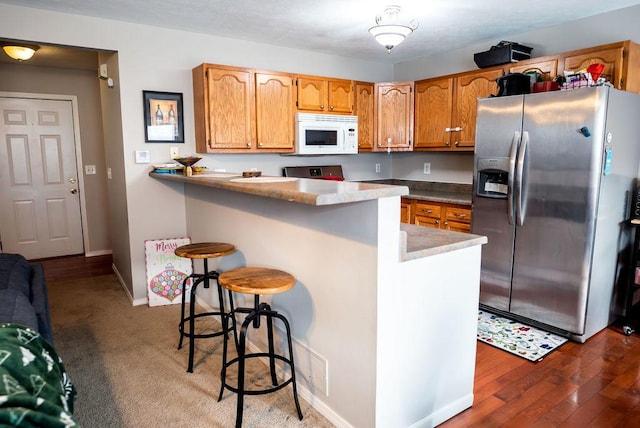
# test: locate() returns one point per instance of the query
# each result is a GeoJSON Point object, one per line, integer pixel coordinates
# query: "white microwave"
{"type": "Point", "coordinates": [326, 134]}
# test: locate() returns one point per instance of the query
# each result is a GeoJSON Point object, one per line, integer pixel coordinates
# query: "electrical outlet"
{"type": "Point", "coordinates": [427, 168]}
{"type": "Point", "coordinates": [175, 152]}
{"type": "Point", "coordinates": [90, 169]}
{"type": "Point", "coordinates": [377, 167]}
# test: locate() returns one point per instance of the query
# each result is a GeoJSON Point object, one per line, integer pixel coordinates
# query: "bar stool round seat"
{"type": "Point", "coordinates": [257, 281]}
{"type": "Point", "coordinates": [204, 251]}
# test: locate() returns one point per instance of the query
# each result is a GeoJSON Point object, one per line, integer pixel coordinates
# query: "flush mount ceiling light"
{"type": "Point", "coordinates": [388, 31]}
{"type": "Point", "coordinates": [19, 52]}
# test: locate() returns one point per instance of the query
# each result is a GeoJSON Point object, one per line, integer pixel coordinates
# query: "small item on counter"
{"type": "Point", "coordinates": [198, 169]}
{"type": "Point", "coordinates": [188, 161]}
{"type": "Point", "coordinates": [251, 173]}
{"type": "Point", "coordinates": [167, 168]}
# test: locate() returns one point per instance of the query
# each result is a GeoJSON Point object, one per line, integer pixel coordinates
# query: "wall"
{"type": "Point", "coordinates": [142, 208]}
{"type": "Point", "coordinates": [84, 85]}
{"type": "Point", "coordinates": [602, 29]}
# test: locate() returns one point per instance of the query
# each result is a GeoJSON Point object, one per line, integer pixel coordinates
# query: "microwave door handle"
{"type": "Point", "coordinates": [510, 180]}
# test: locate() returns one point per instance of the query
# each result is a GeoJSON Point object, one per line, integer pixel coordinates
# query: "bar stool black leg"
{"type": "Point", "coordinates": [291, 363]}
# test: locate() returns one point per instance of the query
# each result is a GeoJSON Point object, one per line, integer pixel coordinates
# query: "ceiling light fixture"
{"type": "Point", "coordinates": [20, 52]}
{"type": "Point", "coordinates": [388, 31]}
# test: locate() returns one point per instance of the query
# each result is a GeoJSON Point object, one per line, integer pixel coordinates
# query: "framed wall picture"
{"type": "Point", "coordinates": [163, 117]}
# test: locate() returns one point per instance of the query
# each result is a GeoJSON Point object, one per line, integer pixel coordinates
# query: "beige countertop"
{"type": "Point", "coordinates": [419, 241]}
{"type": "Point", "coordinates": [302, 190]}
{"type": "Point", "coordinates": [449, 193]}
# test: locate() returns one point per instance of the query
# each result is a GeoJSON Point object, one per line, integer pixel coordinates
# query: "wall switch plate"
{"type": "Point", "coordinates": [174, 152]}
{"type": "Point", "coordinates": [143, 156]}
{"type": "Point", "coordinates": [427, 168]}
{"type": "Point", "coordinates": [90, 169]}
{"type": "Point", "coordinates": [377, 167]}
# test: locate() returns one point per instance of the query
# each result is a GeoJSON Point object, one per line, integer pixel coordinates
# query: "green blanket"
{"type": "Point", "coordinates": [35, 390]}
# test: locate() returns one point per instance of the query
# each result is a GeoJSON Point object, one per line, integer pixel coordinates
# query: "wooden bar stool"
{"type": "Point", "coordinates": [257, 281]}
{"type": "Point", "coordinates": [204, 251]}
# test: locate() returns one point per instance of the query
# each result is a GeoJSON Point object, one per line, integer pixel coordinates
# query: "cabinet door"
{"type": "Point", "coordinates": [364, 109]}
{"type": "Point", "coordinates": [433, 105]}
{"type": "Point", "coordinates": [340, 96]}
{"type": "Point", "coordinates": [231, 108]}
{"type": "Point", "coordinates": [547, 69]}
{"type": "Point", "coordinates": [394, 114]}
{"type": "Point", "coordinates": [405, 210]}
{"type": "Point", "coordinates": [312, 94]}
{"type": "Point", "coordinates": [275, 102]}
{"type": "Point", "coordinates": [612, 59]}
{"type": "Point", "coordinates": [468, 89]}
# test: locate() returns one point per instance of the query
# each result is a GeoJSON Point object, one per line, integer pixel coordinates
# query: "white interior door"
{"type": "Point", "coordinates": [39, 198]}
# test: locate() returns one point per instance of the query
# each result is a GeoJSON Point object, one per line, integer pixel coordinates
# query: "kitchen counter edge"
{"type": "Point", "coordinates": [419, 241]}
{"type": "Point", "coordinates": [312, 192]}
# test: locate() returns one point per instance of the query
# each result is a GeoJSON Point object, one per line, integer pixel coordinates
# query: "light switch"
{"type": "Point", "coordinates": [143, 156]}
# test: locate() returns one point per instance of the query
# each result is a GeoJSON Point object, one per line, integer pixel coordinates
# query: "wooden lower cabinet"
{"type": "Point", "coordinates": [435, 214]}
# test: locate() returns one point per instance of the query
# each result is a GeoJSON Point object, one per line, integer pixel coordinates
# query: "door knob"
{"type": "Point", "coordinates": [73, 191]}
{"type": "Point", "coordinates": [72, 180]}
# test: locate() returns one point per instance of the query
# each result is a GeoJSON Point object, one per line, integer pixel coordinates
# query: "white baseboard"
{"type": "Point", "coordinates": [98, 253]}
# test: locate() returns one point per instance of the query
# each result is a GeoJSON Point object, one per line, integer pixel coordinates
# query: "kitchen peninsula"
{"type": "Point", "coordinates": [383, 315]}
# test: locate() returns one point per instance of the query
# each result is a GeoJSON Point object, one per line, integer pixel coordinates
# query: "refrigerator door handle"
{"type": "Point", "coordinates": [522, 153]}
{"type": "Point", "coordinates": [512, 170]}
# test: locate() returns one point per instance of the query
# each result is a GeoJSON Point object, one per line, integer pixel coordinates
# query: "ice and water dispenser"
{"type": "Point", "coordinates": [493, 177]}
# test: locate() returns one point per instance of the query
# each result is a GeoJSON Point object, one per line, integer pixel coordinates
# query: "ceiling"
{"type": "Point", "coordinates": [340, 27]}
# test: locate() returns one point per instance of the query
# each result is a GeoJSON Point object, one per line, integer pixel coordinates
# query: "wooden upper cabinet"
{"type": "Point", "coordinates": [446, 109]}
{"type": "Point", "coordinates": [231, 109]}
{"type": "Point", "coordinates": [547, 69]}
{"type": "Point", "coordinates": [240, 110]}
{"type": "Point", "coordinates": [275, 111]}
{"type": "Point", "coordinates": [394, 116]}
{"type": "Point", "coordinates": [365, 110]}
{"type": "Point", "coordinates": [468, 89]}
{"type": "Point", "coordinates": [324, 95]}
{"type": "Point", "coordinates": [612, 58]}
{"type": "Point", "coordinates": [433, 109]}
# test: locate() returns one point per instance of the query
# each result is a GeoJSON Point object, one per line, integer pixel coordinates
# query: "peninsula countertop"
{"type": "Point", "coordinates": [416, 241]}
{"type": "Point", "coordinates": [300, 190]}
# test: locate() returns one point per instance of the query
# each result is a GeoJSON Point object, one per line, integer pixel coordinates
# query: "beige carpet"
{"type": "Point", "coordinates": [128, 371]}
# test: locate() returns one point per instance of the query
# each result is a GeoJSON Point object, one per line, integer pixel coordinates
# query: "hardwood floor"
{"type": "Point", "coordinates": [596, 384]}
{"type": "Point", "coordinates": [75, 267]}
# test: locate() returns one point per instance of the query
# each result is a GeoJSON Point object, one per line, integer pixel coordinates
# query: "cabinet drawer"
{"type": "Point", "coordinates": [460, 215]}
{"type": "Point", "coordinates": [427, 221]}
{"type": "Point", "coordinates": [428, 210]}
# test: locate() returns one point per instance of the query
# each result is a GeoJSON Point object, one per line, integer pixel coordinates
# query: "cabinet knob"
{"type": "Point", "coordinates": [447, 129]}
{"type": "Point", "coordinates": [459, 215]}
{"type": "Point", "coordinates": [457, 129]}
{"type": "Point", "coordinates": [456, 143]}
{"type": "Point", "coordinates": [330, 107]}
{"type": "Point", "coordinates": [260, 144]}
{"type": "Point", "coordinates": [429, 211]}
{"type": "Point", "coordinates": [437, 221]}
{"type": "Point", "coordinates": [249, 145]}
{"type": "Point", "coordinates": [446, 143]}
{"type": "Point", "coordinates": [322, 107]}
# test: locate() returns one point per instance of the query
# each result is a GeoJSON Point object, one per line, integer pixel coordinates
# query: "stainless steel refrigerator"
{"type": "Point", "coordinates": [553, 174]}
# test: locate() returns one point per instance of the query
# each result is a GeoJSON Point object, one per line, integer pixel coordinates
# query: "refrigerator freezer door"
{"type": "Point", "coordinates": [497, 132]}
{"type": "Point", "coordinates": [561, 178]}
